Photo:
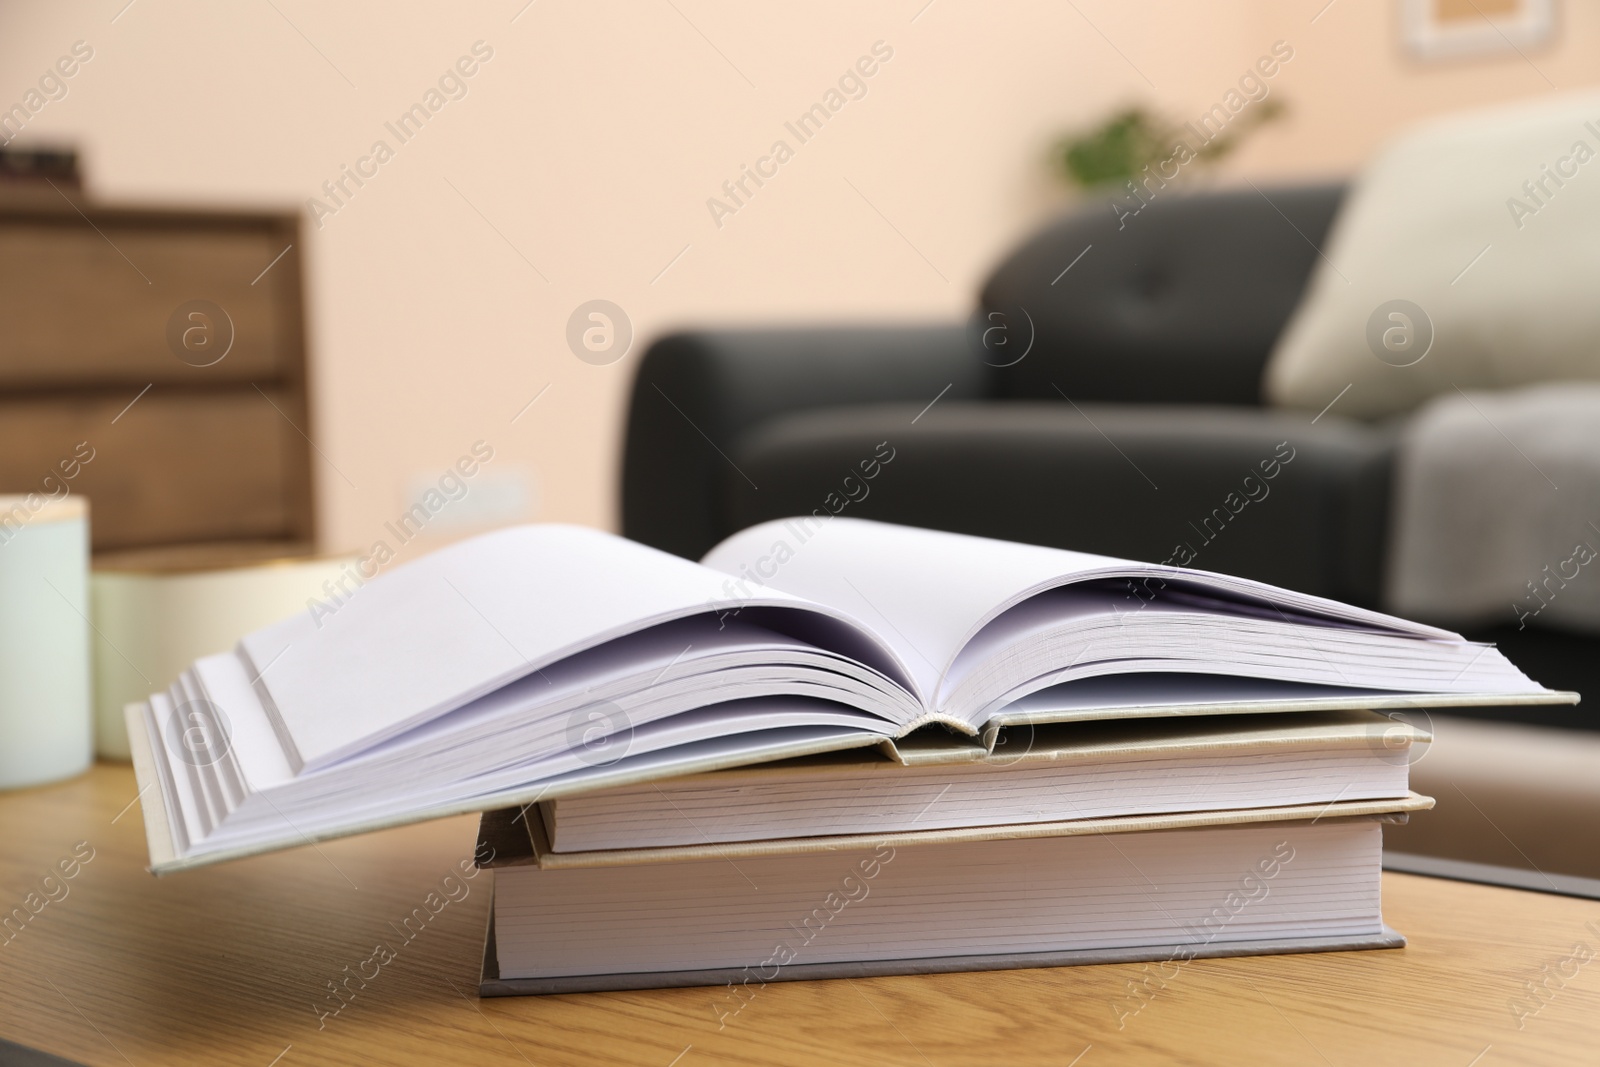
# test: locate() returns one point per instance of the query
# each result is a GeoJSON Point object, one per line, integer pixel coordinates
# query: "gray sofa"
{"type": "Point", "coordinates": [1105, 397]}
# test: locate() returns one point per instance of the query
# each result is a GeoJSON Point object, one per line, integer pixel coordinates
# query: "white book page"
{"type": "Point", "coordinates": [928, 592]}
{"type": "Point", "coordinates": [924, 591]}
{"type": "Point", "coordinates": [433, 635]}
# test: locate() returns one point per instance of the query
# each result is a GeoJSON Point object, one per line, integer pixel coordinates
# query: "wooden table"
{"type": "Point", "coordinates": [225, 965]}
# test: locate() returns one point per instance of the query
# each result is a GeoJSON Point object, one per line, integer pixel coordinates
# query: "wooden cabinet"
{"type": "Point", "coordinates": [168, 344]}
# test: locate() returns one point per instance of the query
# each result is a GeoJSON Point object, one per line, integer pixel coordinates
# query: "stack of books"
{"type": "Point", "coordinates": [833, 747]}
{"type": "Point", "coordinates": [1142, 840]}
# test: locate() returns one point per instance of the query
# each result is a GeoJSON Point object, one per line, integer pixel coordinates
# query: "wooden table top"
{"type": "Point", "coordinates": [227, 965]}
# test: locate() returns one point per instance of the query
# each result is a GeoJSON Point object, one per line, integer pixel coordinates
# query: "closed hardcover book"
{"type": "Point", "coordinates": [1167, 889]}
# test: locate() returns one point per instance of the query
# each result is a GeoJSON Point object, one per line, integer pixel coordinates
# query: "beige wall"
{"type": "Point", "coordinates": [593, 138]}
{"type": "Point", "coordinates": [1352, 85]}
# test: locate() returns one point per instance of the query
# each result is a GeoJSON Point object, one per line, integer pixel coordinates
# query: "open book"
{"type": "Point", "coordinates": [541, 661]}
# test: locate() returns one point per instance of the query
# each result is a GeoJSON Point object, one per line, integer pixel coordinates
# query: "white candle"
{"type": "Point", "coordinates": [46, 727]}
{"type": "Point", "coordinates": [157, 611]}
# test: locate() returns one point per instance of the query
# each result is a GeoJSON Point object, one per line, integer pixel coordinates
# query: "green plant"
{"type": "Point", "coordinates": [1121, 147]}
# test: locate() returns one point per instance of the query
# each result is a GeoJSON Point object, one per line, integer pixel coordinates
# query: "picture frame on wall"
{"type": "Point", "coordinates": [1449, 29]}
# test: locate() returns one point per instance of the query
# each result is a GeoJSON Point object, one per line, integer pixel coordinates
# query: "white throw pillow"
{"type": "Point", "coordinates": [1488, 222]}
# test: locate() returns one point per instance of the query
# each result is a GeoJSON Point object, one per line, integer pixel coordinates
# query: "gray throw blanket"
{"type": "Point", "coordinates": [1497, 509]}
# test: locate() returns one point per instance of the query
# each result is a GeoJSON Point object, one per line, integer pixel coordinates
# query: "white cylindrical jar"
{"type": "Point", "coordinates": [46, 724]}
{"type": "Point", "coordinates": [158, 610]}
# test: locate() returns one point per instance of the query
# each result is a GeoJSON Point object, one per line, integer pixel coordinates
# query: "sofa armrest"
{"type": "Point", "coordinates": [697, 392]}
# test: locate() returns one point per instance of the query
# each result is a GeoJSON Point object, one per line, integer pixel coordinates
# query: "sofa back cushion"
{"type": "Point", "coordinates": [1465, 259]}
{"type": "Point", "coordinates": [1180, 302]}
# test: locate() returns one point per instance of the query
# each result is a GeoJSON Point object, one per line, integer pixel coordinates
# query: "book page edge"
{"type": "Point", "coordinates": [157, 820]}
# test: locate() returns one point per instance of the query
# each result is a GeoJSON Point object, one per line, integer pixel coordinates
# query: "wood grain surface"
{"type": "Point", "coordinates": [88, 296]}
{"type": "Point", "coordinates": [182, 453]}
{"type": "Point", "coordinates": [213, 467]}
{"type": "Point", "coordinates": [230, 965]}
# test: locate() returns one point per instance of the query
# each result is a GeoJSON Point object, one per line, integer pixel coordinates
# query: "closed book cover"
{"type": "Point", "coordinates": [1142, 891]}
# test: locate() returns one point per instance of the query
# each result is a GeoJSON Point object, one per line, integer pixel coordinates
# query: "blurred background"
{"type": "Point", "coordinates": [579, 163]}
